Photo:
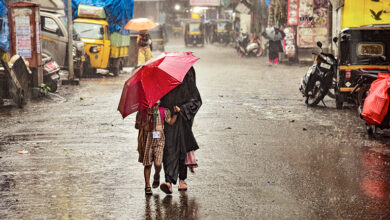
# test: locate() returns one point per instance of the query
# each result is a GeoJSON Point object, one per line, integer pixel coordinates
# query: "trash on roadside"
{"type": "Point", "coordinates": [23, 152]}
{"type": "Point", "coordinates": [270, 181]}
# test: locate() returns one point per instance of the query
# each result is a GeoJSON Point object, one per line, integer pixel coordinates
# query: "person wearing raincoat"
{"type": "Point", "coordinates": [179, 139]}
{"type": "Point", "coordinates": [144, 52]}
{"type": "Point", "coordinates": [274, 35]}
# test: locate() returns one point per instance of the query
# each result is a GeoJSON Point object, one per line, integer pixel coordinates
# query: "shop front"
{"type": "Point", "coordinates": [308, 21]}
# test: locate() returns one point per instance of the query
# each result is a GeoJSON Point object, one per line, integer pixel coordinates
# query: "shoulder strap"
{"type": "Point", "coordinates": [162, 114]}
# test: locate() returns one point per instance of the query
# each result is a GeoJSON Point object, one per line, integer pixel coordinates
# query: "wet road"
{"type": "Point", "coordinates": [264, 154]}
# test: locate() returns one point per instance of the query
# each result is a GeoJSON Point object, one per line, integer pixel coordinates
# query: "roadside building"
{"type": "Point", "coordinates": [305, 22]}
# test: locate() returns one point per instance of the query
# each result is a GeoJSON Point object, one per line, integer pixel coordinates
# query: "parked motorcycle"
{"type": "Point", "coordinates": [319, 79]}
{"type": "Point", "coordinates": [51, 74]}
{"type": "Point", "coordinates": [247, 46]}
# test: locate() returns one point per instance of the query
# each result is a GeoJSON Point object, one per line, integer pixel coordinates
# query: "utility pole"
{"type": "Point", "coordinates": [70, 41]}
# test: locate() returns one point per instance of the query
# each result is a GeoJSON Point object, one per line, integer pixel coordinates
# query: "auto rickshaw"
{"type": "Point", "coordinates": [221, 32]}
{"type": "Point", "coordinates": [177, 28]}
{"type": "Point", "coordinates": [158, 38]}
{"type": "Point", "coordinates": [194, 33]}
{"type": "Point", "coordinates": [360, 49]}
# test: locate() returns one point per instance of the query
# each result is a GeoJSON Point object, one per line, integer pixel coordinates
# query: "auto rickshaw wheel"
{"type": "Point", "coordinates": [362, 94]}
{"type": "Point", "coordinates": [117, 67]}
{"type": "Point", "coordinates": [79, 72]}
{"type": "Point", "coordinates": [339, 100]}
{"type": "Point", "coordinates": [88, 70]}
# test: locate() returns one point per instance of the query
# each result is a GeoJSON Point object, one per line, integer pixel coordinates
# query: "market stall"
{"type": "Point", "coordinates": [307, 23]}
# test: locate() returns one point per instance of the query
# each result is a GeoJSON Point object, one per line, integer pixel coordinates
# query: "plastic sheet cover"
{"type": "Point", "coordinates": [119, 12]}
{"type": "Point", "coordinates": [376, 105]}
{"type": "Point", "coordinates": [4, 29]}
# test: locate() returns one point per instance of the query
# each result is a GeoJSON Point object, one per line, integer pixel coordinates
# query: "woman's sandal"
{"type": "Point", "coordinates": [182, 185]}
{"type": "Point", "coordinates": [156, 182]}
{"type": "Point", "coordinates": [148, 191]}
{"type": "Point", "coordinates": [166, 187]}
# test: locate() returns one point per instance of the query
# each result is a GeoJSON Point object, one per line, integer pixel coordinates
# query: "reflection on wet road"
{"type": "Point", "coordinates": [263, 154]}
{"type": "Point", "coordinates": [375, 180]}
{"type": "Point", "coordinates": [166, 208]}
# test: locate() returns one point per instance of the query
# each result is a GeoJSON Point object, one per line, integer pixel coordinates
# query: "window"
{"type": "Point", "coordinates": [88, 30]}
{"type": "Point", "coordinates": [194, 27]}
{"type": "Point", "coordinates": [50, 25]}
{"type": "Point", "coordinates": [221, 26]}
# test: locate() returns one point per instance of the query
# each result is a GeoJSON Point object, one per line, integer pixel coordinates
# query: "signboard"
{"type": "Point", "coordinates": [313, 23]}
{"type": "Point", "coordinates": [293, 11]}
{"type": "Point", "coordinates": [289, 42]}
{"type": "Point", "coordinates": [307, 37]}
{"type": "Point", "coordinates": [205, 2]}
{"type": "Point", "coordinates": [242, 8]}
{"type": "Point", "coordinates": [23, 32]}
{"type": "Point", "coordinates": [306, 13]}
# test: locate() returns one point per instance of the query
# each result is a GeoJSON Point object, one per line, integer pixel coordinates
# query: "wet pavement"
{"type": "Point", "coordinates": [264, 154]}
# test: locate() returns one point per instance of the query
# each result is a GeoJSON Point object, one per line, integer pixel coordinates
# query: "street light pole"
{"type": "Point", "coordinates": [70, 41]}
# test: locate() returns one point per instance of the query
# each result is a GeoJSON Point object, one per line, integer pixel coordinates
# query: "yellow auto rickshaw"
{"type": "Point", "coordinates": [221, 31]}
{"type": "Point", "coordinates": [360, 49]}
{"type": "Point", "coordinates": [158, 38]}
{"type": "Point", "coordinates": [194, 33]}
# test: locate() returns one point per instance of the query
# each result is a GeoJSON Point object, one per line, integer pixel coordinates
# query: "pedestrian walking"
{"type": "Point", "coordinates": [144, 51]}
{"type": "Point", "coordinates": [179, 139]}
{"type": "Point", "coordinates": [151, 140]}
{"type": "Point", "coordinates": [274, 35]}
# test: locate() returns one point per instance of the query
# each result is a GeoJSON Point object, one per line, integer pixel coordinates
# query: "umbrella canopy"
{"type": "Point", "coordinates": [139, 24]}
{"type": "Point", "coordinates": [273, 34]}
{"type": "Point", "coordinates": [153, 80]}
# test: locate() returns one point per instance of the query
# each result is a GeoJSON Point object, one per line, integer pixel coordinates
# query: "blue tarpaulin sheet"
{"type": "Point", "coordinates": [4, 29]}
{"type": "Point", "coordinates": [119, 12]}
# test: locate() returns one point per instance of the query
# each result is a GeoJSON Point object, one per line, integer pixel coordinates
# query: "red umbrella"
{"type": "Point", "coordinates": [154, 80]}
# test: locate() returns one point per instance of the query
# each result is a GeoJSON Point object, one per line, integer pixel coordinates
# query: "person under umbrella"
{"type": "Point", "coordinates": [179, 139]}
{"type": "Point", "coordinates": [151, 140]}
{"type": "Point", "coordinates": [274, 35]}
{"type": "Point", "coordinates": [144, 40]}
{"type": "Point", "coordinates": [144, 51]}
{"type": "Point", "coordinates": [150, 83]}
